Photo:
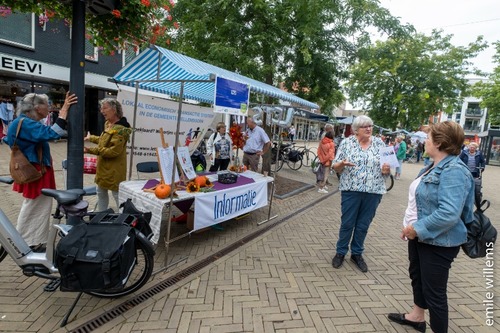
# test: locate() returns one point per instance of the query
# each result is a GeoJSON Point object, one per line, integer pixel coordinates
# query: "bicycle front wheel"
{"type": "Point", "coordinates": [140, 273]}
{"type": "Point", "coordinates": [308, 157]}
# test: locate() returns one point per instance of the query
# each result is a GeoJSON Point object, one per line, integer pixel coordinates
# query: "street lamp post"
{"type": "Point", "coordinates": [77, 86]}
{"type": "Point", "coordinates": [77, 115]}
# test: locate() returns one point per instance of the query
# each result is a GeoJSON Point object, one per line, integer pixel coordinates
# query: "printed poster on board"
{"type": "Point", "coordinates": [184, 159]}
{"type": "Point", "coordinates": [231, 97]}
{"type": "Point", "coordinates": [153, 113]}
{"type": "Point", "coordinates": [166, 157]}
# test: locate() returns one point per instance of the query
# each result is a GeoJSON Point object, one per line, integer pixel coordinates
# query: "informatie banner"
{"type": "Point", "coordinates": [215, 207]}
{"type": "Point", "coordinates": [153, 113]}
{"type": "Point", "coordinates": [231, 97]}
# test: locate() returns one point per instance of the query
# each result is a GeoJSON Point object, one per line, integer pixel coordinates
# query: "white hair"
{"type": "Point", "coordinates": [361, 121]}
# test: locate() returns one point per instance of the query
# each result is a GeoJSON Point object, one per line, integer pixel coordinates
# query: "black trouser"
{"type": "Point", "coordinates": [220, 164]}
{"type": "Point", "coordinates": [429, 270]}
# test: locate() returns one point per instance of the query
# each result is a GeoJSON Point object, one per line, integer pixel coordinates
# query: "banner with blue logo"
{"type": "Point", "coordinates": [215, 207]}
{"type": "Point", "coordinates": [231, 97]}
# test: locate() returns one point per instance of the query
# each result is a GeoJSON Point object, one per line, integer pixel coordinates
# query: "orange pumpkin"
{"type": "Point", "coordinates": [243, 168]}
{"type": "Point", "coordinates": [202, 181]}
{"type": "Point", "coordinates": [162, 191]}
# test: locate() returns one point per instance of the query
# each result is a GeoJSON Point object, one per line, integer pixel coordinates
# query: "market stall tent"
{"type": "Point", "coordinates": [166, 72]}
{"type": "Point", "coordinates": [162, 71]}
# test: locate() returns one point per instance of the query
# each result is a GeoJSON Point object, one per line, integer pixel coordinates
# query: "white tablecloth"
{"type": "Point", "coordinates": [148, 202]}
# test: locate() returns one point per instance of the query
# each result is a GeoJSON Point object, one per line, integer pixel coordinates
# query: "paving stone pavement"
{"type": "Point", "coordinates": [281, 281]}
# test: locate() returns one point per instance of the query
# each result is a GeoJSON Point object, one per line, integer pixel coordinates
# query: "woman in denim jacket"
{"type": "Point", "coordinates": [33, 221]}
{"type": "Point", "coordinates": [440, 202]}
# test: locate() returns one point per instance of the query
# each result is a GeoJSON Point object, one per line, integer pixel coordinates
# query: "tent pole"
{"type": "Point", "coordinates": [275, 175]}
{"type": "Point", "coordinates": [174, 170]}
{"type": "Point", "coordinates": [131, 163]}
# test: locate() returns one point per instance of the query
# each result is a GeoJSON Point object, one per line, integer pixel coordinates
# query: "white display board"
{"type": "Point", "coordinates": [185, 162]}
{"type": "Point", "coordinates": [154, 113]}
{"type": "Point", "coordinates": [166, 157]}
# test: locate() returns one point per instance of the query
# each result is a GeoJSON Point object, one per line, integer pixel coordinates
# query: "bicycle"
{"type": "Point", "coordinates": [307, 155]}
{"type": "Point", "coordinates": [287, 154]}
{"type": "Point", "coordinates": [42, 264]}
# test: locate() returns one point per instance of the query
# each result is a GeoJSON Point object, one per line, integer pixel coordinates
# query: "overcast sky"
{"type": "Point", "coordinates": [464, 19]}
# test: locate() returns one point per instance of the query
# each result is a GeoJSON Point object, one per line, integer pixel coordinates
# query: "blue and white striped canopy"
{"type": "Point", "coordinates": [156, 64]}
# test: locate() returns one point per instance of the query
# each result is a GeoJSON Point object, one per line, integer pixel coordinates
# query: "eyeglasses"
{"type": "Point", "coordinates": [367, 126]}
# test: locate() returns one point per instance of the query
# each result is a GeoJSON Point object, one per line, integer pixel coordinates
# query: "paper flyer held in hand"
{"type": "Point", "coordinates": [166, 157]}
{"type": "Point", "coordinates": [185, 161]}
{"type": "Point", "coordinates": [387, 155]}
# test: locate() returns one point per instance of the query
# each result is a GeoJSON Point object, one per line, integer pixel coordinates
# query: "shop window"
{"type": "Point", "coordinates": [18, 29]}
{"type": "Point", "coordinates": [495, 151]}
{"type": "Point", "coordinates": [91, 52]}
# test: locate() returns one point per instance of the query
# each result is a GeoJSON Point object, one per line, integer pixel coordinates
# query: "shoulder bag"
{"type": "Point", "coordinates": [21, 170]}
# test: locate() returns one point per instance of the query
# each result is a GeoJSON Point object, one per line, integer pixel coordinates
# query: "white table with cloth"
{"type": "Point", "coordinates": [226, 201]}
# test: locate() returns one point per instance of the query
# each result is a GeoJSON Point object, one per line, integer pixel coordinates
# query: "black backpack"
{"type": "Point", "coordinates": [97, 256]}
{"type": "Point", "coordinates": [199, 161]}
{"type": "Point", "coordinates": [481, 234]}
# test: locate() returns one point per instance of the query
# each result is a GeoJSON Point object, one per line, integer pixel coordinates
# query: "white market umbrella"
{"type": "Point", "coordinates": [419, 135]}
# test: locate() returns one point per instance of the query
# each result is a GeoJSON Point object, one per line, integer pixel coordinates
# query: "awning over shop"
{"type": "Point", "coordinates": [155, 64]}
{"type": "Point", "coordinates": [311, 115]}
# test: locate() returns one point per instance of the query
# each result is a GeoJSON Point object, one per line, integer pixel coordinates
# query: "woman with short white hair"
{"type": "Point", "coordinates": [362, 185]}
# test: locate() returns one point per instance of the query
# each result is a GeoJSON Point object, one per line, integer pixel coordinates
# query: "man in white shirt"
{"type": "Point", "coordinates": [257, 144]}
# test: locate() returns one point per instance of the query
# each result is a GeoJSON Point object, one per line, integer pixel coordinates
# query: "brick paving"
{"type": "Point", "coordinates": [281, 281]}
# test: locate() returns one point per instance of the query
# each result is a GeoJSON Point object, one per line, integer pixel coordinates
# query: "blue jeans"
{"type": "Point", "coordinates": [398, 169]}
{"type": "Point", "coordinates": [358, 210]}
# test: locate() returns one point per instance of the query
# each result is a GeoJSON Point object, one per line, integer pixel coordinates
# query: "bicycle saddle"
{"type": "Point", "coordinates": [66, 197]}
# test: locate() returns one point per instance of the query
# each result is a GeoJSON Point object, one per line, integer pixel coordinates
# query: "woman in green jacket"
{"type": "Point", "coordinates": [400, 155]}
{"type": "Point", "coordinates": [111, 152]}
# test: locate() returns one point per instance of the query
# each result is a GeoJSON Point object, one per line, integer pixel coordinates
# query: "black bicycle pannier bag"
{"type": "Point", "coordinates": [96, 256]}
{"type": "Point", "coordinates": [143, 219]}
{"type": "Point", "coordinates": [294, 156]}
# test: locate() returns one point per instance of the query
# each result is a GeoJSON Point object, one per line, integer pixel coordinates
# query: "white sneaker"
{"type": "Point", "coordinates": [325, 187]}
{"type": "Point", "coordinates": [322, 190]}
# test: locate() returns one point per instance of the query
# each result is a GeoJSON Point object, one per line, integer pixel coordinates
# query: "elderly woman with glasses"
{"type": "Point", "coordinates": [361, 186]}
{"type": "Point", "coordinates": [33, 222]}
{"type": "Point", "coordinates": [111, 152]}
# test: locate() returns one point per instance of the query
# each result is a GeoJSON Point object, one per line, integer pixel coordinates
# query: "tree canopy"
{"type": "Point", "coordinates": [489, 91]}
{"type": "Point", "coordinates": [306, 45]}
{"type": "Point", "coordinates": [402, 82]}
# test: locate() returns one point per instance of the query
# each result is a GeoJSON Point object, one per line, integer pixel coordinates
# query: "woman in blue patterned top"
{"type": "Point", "coordinates": [361, 186]}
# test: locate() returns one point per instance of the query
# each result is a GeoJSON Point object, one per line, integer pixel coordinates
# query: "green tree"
{"type": "Point", "coordinates": [402, 82]}
{"type": "Point", "coordinates": [489, 91]}
{"type": "Point", "coordinates": [305, 44]}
